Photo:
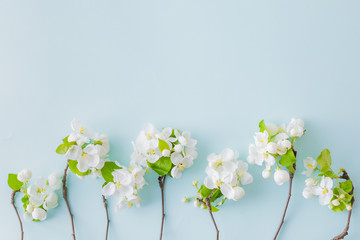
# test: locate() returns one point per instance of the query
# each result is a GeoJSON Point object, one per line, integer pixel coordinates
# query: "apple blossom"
{"type": "Point", "coordinates": [321, 184]}
{"type": "Point", "coordinates": [24, 175]}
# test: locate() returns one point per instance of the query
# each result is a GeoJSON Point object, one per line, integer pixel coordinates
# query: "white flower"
{"type": "Point", "coordinates": [165, 135]}
{"type": "Point", "coordinates": [243, 175]}
{"type": "Point", "coordinates": [308, 192]}
{"type": "Point", "coordinates": [271, 147]}
{"type": "Point", "coordinates": [24, 175]}
{"type": "Point", "coordinates": [309, 164]}
{"type": "Point", "coordinates": [266, 173]}
{"type": "Point", "coordinates": [310, 182]}
{"type": "Point", "coordinates": [51, 201]}
{"type": "Point", "coordinates": [178, 148]}
{"type": "Point", "coordinates": [185, 139]}
{"type": "Point", "coordinates": [238, 192]}
{"type": "Point", "coordinates": [281, 176]}
{"type": "Point", "coordinates": [166, 153]}
{"type": "Point", "coordinates": [223, 180]}
{"type": "Point", "coordinates": [261, 139]}
{"type": "Point", "coordinates": [38, 190]}
{"type": "Point", "coordinates": [272, 129]}
{"type": "Point", "coordinates": [123, 184]}
{"type": "Point", "coordinates": [196, 203]}
{"type": "Point", "coordinates": [89, 158]}
{"type": "Point", "coordinates": [180, 163]}
{"type": "Point", "coordinates": [224, 160]}
{"type": "Point", "coordinates": [39, 214]}
{"type": "Point", "coordinates": [324, 190]}
{"type": "Point", "coordinates": [54, 181]}
{"type": "Point", "coordinates": [295, 128]}
{"type": "Point", "coordinates": [80, 135]}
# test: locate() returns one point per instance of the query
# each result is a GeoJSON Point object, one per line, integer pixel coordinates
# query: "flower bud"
{"type": "Point", "coordinates": [166, 152]}
{"type": "Point", "coordinates": [342, 196]}
{"type": "Point", "coordinates": [335, 202]}
{"type": "Point", "coordinates": [196, 203]}
{"type": "Point", "coordinates": [29, 208]}
{"type": "Point", "coordinates": [266, 173]}
{"type": "Point", "coordinates": [348, 207]}
{"type": "Point", "coordinates": [195, 182]}
{"type": "Point", "coordinates": [24, 175]}
{"type": "Point", "coordinates": [39, 214]}
{"type": "Point", "coordinates": [331, 206]}
{"type": "Point", "coordinates": [281, 176]}
{"type": "Point", "coordinates": [184, 200]}
{"type": "Point", "coordinates": [178, 148]}
{"type": "Point", "coordinates": [202, 206]}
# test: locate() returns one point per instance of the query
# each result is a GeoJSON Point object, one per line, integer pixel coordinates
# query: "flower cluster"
{"type": "Point", "coordinates": [167, 151]}
{"type": "Point", "coordinates": [321, 183]}
{"type": "Point", "coordinates": [125, 185]}
{"type": "Point", "coordinates": [38, 197]}
{"type": "Point", "coordinates": [85, 150]}
{"type": "Point", "coordinates": [274, 144]}
{"type": "Point", "coordinates": [225, 176]}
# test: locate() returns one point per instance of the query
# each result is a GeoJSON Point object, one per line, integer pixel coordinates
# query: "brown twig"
{"type": "Point", "coordinates": [162, 184]}
{"type": "Point", "coordinates": [345, 232]}
{"type": "Point", "coordinates": [17, 213]}
{"type": "Point", "coordinates": [288, 198]}
{"type": "Point", "coordinates": [107, 217]}
{"type": "Point", "coordinates": [207, 203]}
{"type": "Point", "coordinates": [66, 200]}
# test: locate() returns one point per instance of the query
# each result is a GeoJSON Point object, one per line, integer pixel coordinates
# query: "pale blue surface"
{"type": "Point", "coordinates": [215, 68]}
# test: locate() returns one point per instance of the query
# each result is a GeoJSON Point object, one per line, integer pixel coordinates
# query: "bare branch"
{"type": "Point", "coordinates": [66, 200]}
{"type": "Point", "coordinates": [162, 184]}
{"type": "Point", "coordinates": [107, 217]}
{"type": "Point", "coordinates": [17, 213]}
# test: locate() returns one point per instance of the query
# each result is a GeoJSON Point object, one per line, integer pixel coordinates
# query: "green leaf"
{"type": "Point", "coordinates": [262, 126]}
{"type": "Point", "coordinates": [324, 160]}
{"type": "Point", "coordinates": [163, 145]}
{"type": "Point", "coordinates": [14, 183]}
{"type": "Point", "coordinates": [288, 159]}
{"type": "Point", "coordinates": [64, 147]}
{"type": "Point", "coordinates": [346, 186]}
{"type": "Point", "coordinates": [329, 174]}
{"type": "Point", "coordinates": [107, 171]}
{"type": "Point", "coordinates": [339, 208]}
{"type": "Point", "coordinates": [204, 191]}
{"type": "Point", "coordinates": [98, 142]}
{"type": "Point", "coordinates": [75, 170]}
{"type": "Point", "coordinates": [213, 209]}
{"type": "Point", "coordinates": [25, 200]}
{"type": "Point", "coordinates": [161, 166]}
{"type": "Point", "coordinates": [217, 194]}
{"type": "Point", "coordinates": [104, 184]}
{"type": "Point", "coordinates": [291, 168]}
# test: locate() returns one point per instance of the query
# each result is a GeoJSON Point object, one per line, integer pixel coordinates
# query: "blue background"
{"type": "Point", "coordinates": [215, 68]}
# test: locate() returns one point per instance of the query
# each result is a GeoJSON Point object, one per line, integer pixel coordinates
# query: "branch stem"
{"type": "Point", "coordinates": [66, 200]}
{"type": "Point", "coordinates": [162, 184]}
{"type": "Point", "coordinates": [17, 213]}
{"type": "Point", "coordinates": [288, 198]}
{"type": "Point", "coordinates": [211, 215]}
{"type": "Point", "coordinates": [345, 232]}
{"type": "Point", "coordinates": [107, 217]}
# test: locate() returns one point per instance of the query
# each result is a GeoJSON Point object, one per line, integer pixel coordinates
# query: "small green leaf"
{"type": "Point", "coordinates": [14, 183]}
{"type": "Point", "coordinates": [162, 166]}
{"type": "Point", "coordinates": [346, 186]}
{"type": "Point", "coordinates": [204, 191]}
{"type": "Point", "coordinates": [324, 160]}
{"type": "Point", "coordinates": [163, 145]}
{"type": "Point", "coordinates": [288, 159]}
{"type": "Point", "coordinates": [75, 170]}
{"type": "Point", "coordinates": [213, 209]}
{"type": "Point", "coordinates": [25, 200]}
{"type": "Point", "coordinates": [104, 184]}
{"type": "Point", "coordinates": [98, 142]}
{"type": "Point", "coordinates": [262, 126]}
{"type": "Point", "coordinates": [107, 171]}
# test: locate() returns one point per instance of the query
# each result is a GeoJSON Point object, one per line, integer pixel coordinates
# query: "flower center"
{"type": "Point", "coordinates": [84, 155]}
{"type": "Point", "coordinates": [118, 185]}
{"type": "Point", "coordinates": [82, 129]}
{"type": "Point", "coordinates": [324, 191]}
{"type": "Point", "coordinates": [310, 166]}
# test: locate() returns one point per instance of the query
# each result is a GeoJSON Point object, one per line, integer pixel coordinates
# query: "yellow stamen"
{"type": "Point", "coordinates": [325, 191]}
{"type": "Point", "coordinates": [82, 129]}
{"type": "Point", "coordinates": [310, 166]}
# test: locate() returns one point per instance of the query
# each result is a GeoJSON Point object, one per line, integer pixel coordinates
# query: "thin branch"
{"type": "Point", "coordinates": [66, 200]}
{"type": "Point", "coordinates": [345, 232]}
{"type": "Point", "coordinates": [288, 198]}
{"type": "Point", "coordinates": [207, 203]}
{"type": "Point", "coordinates": [17, 213]}
{"type": "Point", "coordinates": [162, 184]}
{"type": "Point", "coordinates": [107, 217]}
